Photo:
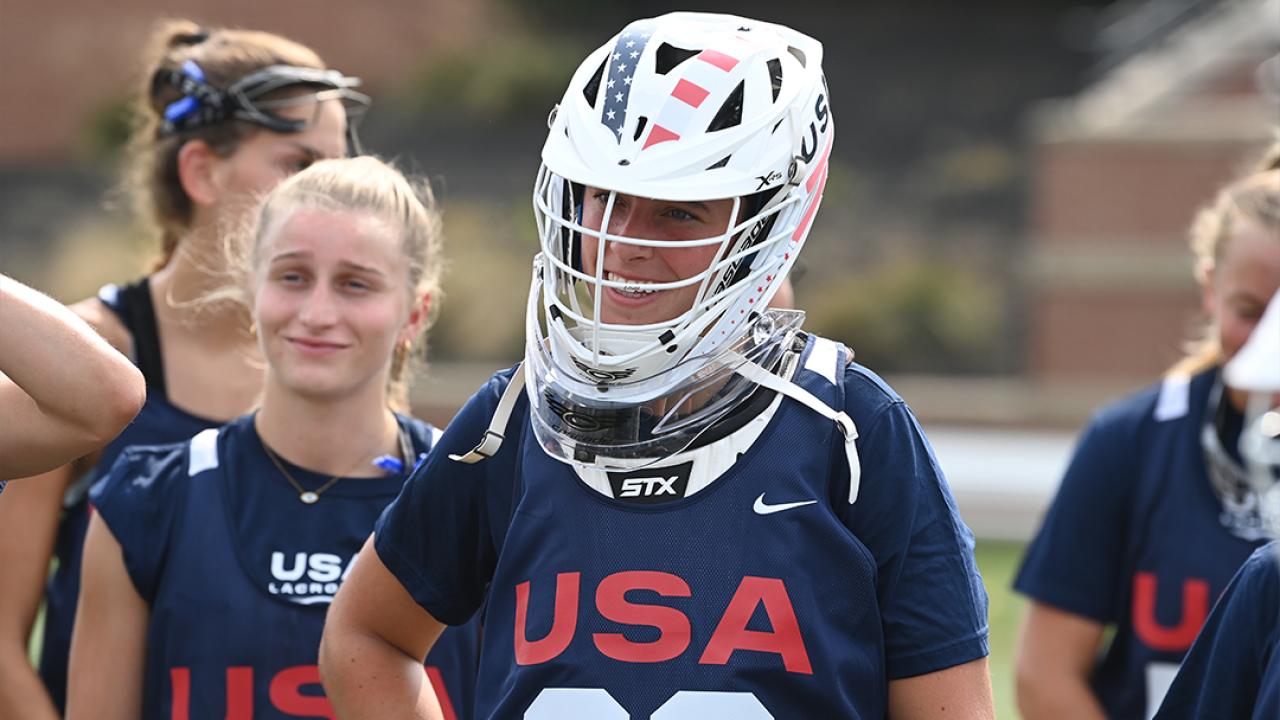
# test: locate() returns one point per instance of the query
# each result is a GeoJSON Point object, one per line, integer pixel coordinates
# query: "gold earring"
{"type": "Point", "coordinates": [253, 330]}
{"type": "Point", "coordinates": [403, 348]}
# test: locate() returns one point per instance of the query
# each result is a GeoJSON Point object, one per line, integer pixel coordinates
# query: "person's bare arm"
{"type": "Point", "coordinates": [109, 644]}
{"type": "Point", "coordinates": [376, 638]}
{"type": "Point", "coordinates": [29, 515]}
{"type": "Point", "coordinates": [1056, 654]}
{"type": "Point", "coordinates": [963, 691]}
{"type": "Point", "coordinates": [64, 391]}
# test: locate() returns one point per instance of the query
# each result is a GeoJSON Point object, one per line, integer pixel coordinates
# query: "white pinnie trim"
{"type": "Point", "coordinates": [204, 452]}
{"type": "Point", "coordinates": [1175, 398]}
{"type": "Point", "coordinates": [823, 359]}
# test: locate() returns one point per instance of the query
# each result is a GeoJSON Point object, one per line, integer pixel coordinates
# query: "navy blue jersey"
{"type": "Point", "coordinates": [1233, 670]}
{"type": "Point", "coordinates": [763, 594]}
{"type": "Point", "coordinates": [1136, 538]}
{"type": "Point", "coordinates": [238, 574]}
{"type": "Point", "coordinates": [158, 422]}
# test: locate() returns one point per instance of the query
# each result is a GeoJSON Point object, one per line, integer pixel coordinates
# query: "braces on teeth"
{"type": "Point", "coordinates": [631, 287]}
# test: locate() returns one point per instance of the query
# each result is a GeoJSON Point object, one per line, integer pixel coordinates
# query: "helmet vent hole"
{"type": "Point", "coordinates": [669, 56]}
{"type": "Point", "coordinates": [592, 88]}
{"type": "Point", "coordinates": [640, 124]}
{"type": "Point", "coordinates": [775, 75]}
{"type": "Point", "coordinates": [723, 162]}
{"type": "Point", "coordinates": [730, 113]}
{"type": "Point", "coordinates": [799, 55]}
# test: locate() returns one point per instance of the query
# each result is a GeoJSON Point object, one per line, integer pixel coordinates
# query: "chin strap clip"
{"type": "Point", "coordinates": [493, 436]}
{"type": "Point", "coordinates": [760, 376]}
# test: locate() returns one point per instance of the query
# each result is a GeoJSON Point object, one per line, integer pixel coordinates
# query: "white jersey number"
{"type": "Point", "coordinates": [598, 704]}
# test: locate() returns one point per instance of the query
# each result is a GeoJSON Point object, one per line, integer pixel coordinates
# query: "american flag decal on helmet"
{"type": "Point", "coordinates": [707, 70]}
{"type": "Point", "coordinates": [622, 67]}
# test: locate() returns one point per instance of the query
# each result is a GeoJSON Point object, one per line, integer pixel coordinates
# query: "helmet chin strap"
{"type": "Point", "coordinates": [494, 434]}
{"type": "Point", "coordinates": [760, 376]}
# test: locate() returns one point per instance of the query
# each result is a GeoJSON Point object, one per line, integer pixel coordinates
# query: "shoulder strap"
{"type": "Point", "coordinates": [203, 451]}
{"type": "Point", "coordinates": [141, 319]}
{"type": "Point", "coordinates": [496, 432]}
{"type": "Point", "coordinates": [825, 357]}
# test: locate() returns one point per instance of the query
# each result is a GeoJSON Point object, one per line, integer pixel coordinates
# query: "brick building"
{"type": "Point", "coordinates": [1121, 170]}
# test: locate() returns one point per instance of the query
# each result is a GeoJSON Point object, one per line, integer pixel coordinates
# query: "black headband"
{"type": "Point", "coordinates": [203, 104]}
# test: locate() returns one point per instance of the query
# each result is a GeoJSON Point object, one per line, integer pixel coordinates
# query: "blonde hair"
{"type": "Point", "coordinates": [369, 185]}
{"type": "Point", "coordinates": [1254, 198]}
{"type": "Point", "coordinates": [224, 55]}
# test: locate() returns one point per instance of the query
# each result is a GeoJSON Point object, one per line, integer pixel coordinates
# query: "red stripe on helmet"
{"type": "Point", "coordinates": [717, 58]}
{"type": "Point", "coordinates": [689, 93]}
{"type": "Point", "coordinates": [657, 135]}
{"type": "Point", "coordinates": [817, 177]}
{"type": "Point", "coordinates": [822, 164]}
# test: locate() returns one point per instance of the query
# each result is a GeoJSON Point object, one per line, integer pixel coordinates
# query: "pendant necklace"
{"type": "Point", "coordinates": [310, 497]}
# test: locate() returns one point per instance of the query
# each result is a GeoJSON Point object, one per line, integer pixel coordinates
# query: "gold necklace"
{"type": "Point", "coordinates": [311, 496]}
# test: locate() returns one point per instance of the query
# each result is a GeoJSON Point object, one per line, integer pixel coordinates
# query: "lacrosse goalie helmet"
{"type": "Point", "coordinates": [686, 107]}
{"type": "Point", "coordinates": [1256, 370]}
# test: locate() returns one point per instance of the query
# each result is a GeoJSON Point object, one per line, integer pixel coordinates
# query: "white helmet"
{"type": "Point", "coordinates": [685, 107]}
{"type": "Point", "coordinates": [1256, 370]}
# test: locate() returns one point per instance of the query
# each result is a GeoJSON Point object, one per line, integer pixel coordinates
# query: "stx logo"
{"type": "Point", "coordinates": [284, 693]}
{"type": "Point", "coordinates": [636, 487]}
{"type": "Point", "coordinates": [651, 485]}
{"type": "Point", "coordinates": [674, 628]}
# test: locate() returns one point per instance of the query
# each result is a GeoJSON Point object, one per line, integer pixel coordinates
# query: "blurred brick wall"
{"type": "Point", "coordinates": [1110, 265]}
{"type": "Point", "coordinates": [62, 59]}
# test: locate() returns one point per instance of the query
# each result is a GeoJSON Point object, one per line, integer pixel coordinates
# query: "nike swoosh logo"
{"type": "Point", "coordinates": [762, 509]}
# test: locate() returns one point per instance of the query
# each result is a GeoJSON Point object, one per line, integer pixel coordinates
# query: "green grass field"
{"type": "Point", "coordinates": [998, 561]}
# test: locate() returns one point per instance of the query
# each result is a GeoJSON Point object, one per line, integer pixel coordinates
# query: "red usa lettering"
{"type": "Point", "coordinates": [284, 693]}
{"type": "Point", "coordinates": [1172, 638]}
{"type": "Point", "coordinates": [674, 629]}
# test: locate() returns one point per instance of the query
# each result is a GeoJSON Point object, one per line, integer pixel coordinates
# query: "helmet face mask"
{"type": "Point", "coordinates": [684, 108]}
{"type": "Point", "coordinates": [620, 423]}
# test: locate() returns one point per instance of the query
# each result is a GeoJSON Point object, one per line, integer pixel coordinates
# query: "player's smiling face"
{"type": "Point", "coordinates": [331, 301]}
{"type": "Point", "coordinates": [641, 265]}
